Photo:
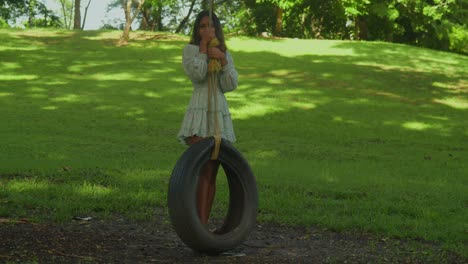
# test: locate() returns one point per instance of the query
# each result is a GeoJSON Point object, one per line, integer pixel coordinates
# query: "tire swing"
{"type": "Point", "coordinates": [243, 198]}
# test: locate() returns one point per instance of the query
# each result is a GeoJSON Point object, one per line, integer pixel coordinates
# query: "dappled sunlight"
{"type": "Point", "coordinates": [274, 81]}
{"type": "Point", "coordinates": [454, 102]}
{"type": "Point", "coordinates": [304, 105]}
{"type": "Point", "coordinates": [144, 92]}
{"type": "Point", "coordinates": [123, 76]}
{"type": "Point", "coordinates": [50, 107]}
{"type": "Point", "coordinates": [135, 112]}
{"type": "Point", "coordinates": [178, 79]}
{"type": "Point", "coordinates": [343, 120]}
{"type": "Point", "coordinates": [253, 110]}
{"type": "Point", "coordinates": [69, 98]}
{"type": "Point", "coordinates": [290, 47]}
{"type": "Point", "coordinates": [10, 66]}
{"type": "Point", "coordinates": [152, 95]}
{"type": "Point", "coordinates": [90, 190]}
{"type": "Point", "coordinates": [266, 154]}
{"type": "Point", "coordinates": [55, 82]}
{"type": "Point", "coordinates": [389, 95]}
{"type": "Point", "coordinates": [18, 77]}
{"type": "Point", "coordinates": [392, 56]}
{"type": "Point", "coordinates": [5, 94]}
{"type": "Point", "coordinates": [37, 89]}
{"type": "Point", "coordinates": [31, 48]}
{"type": "Point", "coordinates": [418, 126]}
{"type": "Point", "coordinates": [26, 185]}
{"type": "Point", "coordinates": [438, 118]}
{"type": "Point", "coordinates": [324, 89]}
{"type": "Point", "coordinates": [460, 87]}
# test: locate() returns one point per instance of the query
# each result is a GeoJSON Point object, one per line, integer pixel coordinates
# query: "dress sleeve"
{"type": "Point", "coordinates": [195, 63]}
{"type": "Point", "coordinates": [228, 76]}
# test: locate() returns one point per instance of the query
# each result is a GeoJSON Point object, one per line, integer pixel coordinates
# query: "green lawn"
{"type": "Point", "coordinates": [352, 136]}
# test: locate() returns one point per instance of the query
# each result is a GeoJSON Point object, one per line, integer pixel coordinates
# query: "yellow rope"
{"type": "Point", "coordinates": [214, 66]}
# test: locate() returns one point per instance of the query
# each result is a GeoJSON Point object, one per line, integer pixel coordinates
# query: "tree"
{"type": "Point", "coordinates": [186, 18]}
{"type": "Point", "coordinates": [280, 6]}
{"type": "Point", "coordinates": [77, 17]}
{"type": "Point", "coordinates": [129, 17]}
{"type": "Point", "coordinates": [67, 12]}
{"type": "Point", "coordinates": [31, 12]}
{"type": "Point", "coordinates": [11, 10]}
{"type": "Point", "coordinates": [152, 15]}
{"type": "Point", "coordinates": [85, 14]}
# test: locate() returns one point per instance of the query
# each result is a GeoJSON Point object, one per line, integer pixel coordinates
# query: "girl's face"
{"type": "Point", "coordinates": [204, 25]}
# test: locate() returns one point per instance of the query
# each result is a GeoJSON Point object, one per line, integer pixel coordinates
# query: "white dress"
{"type": "Point", "coordinates": [196, 117]}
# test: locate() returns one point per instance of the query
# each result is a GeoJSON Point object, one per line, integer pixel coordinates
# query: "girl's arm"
{"type": "Point", "coordinates": [228, 76]}
{"type": "Point", "coordinates": [195, 63]}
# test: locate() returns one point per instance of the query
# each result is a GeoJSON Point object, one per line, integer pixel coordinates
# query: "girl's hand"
{"type": "Point", "coordinates": [216, 53]}
{"type": "Point", "coordinates": [207, 34]}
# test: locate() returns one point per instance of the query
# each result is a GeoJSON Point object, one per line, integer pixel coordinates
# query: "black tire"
{"type": "Point", "coordinates": [243, 198]}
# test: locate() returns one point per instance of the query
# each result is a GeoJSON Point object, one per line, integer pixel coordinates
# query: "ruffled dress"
{"type": "Point", "coordinates": [196, 117]}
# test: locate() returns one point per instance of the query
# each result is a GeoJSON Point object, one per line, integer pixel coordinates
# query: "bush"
{"type": "Point", "coordinates": [458, 37]}
{"type": "Point", "coordinates": [108, 26]}
{"type": "Point", "coordinates": [3, 23]}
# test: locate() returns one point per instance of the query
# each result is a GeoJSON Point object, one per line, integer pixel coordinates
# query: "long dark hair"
{"type": "Point", "coordinates": [218, 30]}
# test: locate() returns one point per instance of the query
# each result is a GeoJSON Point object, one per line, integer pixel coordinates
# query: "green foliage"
{"type": "Point", "coordinates": [108, 26]}
{"type": "Point", "coordinates": [283, 4]}
{"type": "Point", "coordinates": [458, 37]}
{"type": "Point", "coordinates": [11, 10]}
{"type": "Point", "coordinates": [417, 22]}
{"type": "Point", "coordinates": [3, 23]}
{"type": "Point", "coordinates": [436, 24]}
{"type": "Point", "coordinates": [354, 8]}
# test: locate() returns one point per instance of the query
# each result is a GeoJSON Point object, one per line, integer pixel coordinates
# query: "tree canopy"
{"type": "Point", "coordinates": [437, 24]}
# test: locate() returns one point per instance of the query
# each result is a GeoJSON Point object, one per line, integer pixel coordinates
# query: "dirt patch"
{"type": "Point", "coordinates": [125, 241]}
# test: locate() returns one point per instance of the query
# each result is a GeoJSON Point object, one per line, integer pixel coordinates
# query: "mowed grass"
{"type": "Point", "coordinates": [351, 136]}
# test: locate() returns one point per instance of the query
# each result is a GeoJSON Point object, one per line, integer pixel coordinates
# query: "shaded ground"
{"type": "Point", "coordinates": [125, 241]}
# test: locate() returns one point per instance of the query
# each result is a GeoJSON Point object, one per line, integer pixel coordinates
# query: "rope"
{"type": "Point", "coordinates": [214, 66]}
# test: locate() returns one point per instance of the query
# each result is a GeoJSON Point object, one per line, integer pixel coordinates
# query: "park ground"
{"type": "Point", "coordinates": [121, 240]}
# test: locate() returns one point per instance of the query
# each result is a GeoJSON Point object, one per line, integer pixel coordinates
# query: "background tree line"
{"type": "Point", "coordinates": [437, 24]}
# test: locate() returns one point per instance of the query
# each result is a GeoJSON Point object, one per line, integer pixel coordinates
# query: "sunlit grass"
{"type": "Point", "coordinates": [352, 136]}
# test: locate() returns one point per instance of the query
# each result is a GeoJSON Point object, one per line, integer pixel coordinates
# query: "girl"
{"type": "Point", "coordinates": [198, 123]}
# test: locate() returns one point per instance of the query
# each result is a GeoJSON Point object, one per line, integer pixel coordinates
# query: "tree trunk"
{"type": "Point", "coordinates": [129, 20]}
{"type": "Point", "coordinates": [159, 16]}
{"type": "Point", "coordinates": [279, 21]}
{"type": "Point", "coordinates": [186, 18]}
{"type": "Point", "coordinates": [64, 13]}
{"type": "Point", "coordinates": [77, 20]}
{"type": "Point", "coordinates": [85, 13]}
{"type": "Point", "coordinates": [71, 14]}
{"type": "Point", "coordinates": [361, 31]}
{"type": "Point", "coordinates": [146, 22]}
{"type": "Point", "coordinates": [31, 13]}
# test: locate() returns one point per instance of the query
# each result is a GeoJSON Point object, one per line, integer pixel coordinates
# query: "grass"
{"type": "Point", "coordinates": [352, 136]}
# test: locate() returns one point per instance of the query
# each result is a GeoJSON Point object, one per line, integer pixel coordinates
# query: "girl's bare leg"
{"type": "Point", "coordinates": [206, 188]}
